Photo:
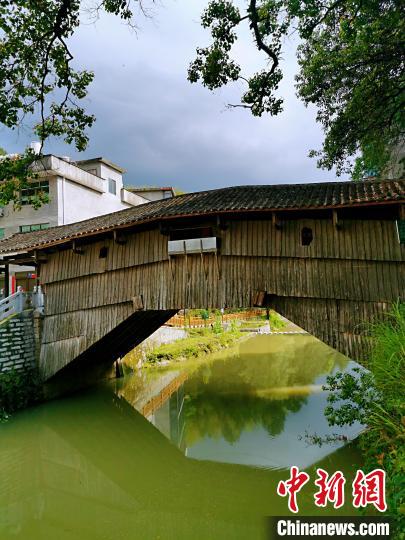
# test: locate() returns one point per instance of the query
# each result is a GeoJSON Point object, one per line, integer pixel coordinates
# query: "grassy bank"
{"type": "Point", "coordinates": [199, 341]}
{"type": "Point", "coordinates": [377, 399]}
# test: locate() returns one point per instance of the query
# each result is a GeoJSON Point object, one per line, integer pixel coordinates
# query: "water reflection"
{"type": "Point", "coordinates": [91, 467]}
{"type": "Point", "coordinates": [251, 407]}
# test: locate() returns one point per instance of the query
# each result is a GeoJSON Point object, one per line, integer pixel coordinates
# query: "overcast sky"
{"type": "Point", "coordinates": [164, 130]}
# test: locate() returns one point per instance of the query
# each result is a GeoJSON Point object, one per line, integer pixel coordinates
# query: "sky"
{"type": "Point", "coordinates": [165, 131]}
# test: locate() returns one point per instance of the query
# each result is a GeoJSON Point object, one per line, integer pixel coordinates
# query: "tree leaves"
{"type": "Point", "coordinates": [351, 68]}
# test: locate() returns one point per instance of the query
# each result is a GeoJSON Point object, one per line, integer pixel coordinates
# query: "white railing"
{"type": "Point", "coordinates": [19, 301]}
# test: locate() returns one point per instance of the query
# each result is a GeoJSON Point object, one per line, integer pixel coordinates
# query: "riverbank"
{"type": "Point", "coordinates": [201, 332]}
{"type": "Point", "coordinates": [198, 342]}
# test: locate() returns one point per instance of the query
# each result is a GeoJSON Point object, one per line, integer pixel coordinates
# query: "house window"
{"type": "Point", "coordinates": [167, 194]}
{"type": "Point", "coordinates": [35, 227]}
{"type": "Point", "coordinates": [1, 233]}
{"type": "Point", "coordinates": [35, 189]}
{"type": "Point", "coordinates": [112, 186]}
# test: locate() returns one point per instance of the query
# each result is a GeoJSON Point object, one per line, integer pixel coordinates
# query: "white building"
{"type": "Point", "coordinates": [153, 193]}
{"type": "Point", "coordinates": [77, 190]}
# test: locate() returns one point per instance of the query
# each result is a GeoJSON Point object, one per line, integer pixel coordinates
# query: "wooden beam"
{"type": "Point", "coordinates": [6, 281]}
{"type": "Point", "coordinates": [335, 218]}
{"type": "Point", "coordinates": [259, 299]}
{"type": "Point", "coordinates": [275, 221]}
{"type": "Point", "coordinates": [402, 211]}
{"type": "Point", "coordinates": [40, 257]}
{"type": "Point", "coordinates": [137, 302]}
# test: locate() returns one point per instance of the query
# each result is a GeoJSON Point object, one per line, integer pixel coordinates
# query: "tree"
{"type": "Point", "coordinates": [351, 64]}
{"type": "Point", "coordinates": [37, 78]}
{"type": "Point", "coordinates": [350, 57]}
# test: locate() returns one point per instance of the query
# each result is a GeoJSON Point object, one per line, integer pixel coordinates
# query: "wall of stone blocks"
{"type": "Point", "coordinates": [17, 342]}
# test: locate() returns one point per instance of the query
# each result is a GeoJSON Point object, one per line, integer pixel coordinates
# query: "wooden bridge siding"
{"type": "Point", "coordinates": [241, 278]}
{"type": "Point", "coordinates": [85, 296]}
{"type": "Point", "coordinates": [357, 239]}
{"type": "Point", "coordinates": [360, 240]}
{"type": "Point", "coordinates": [343, 325]}
{"type": "Point", "coordinates": [327, 312]}
{"type": "Point", "coordinates": [141, 248]}
{"type": "Point", "coordinates": [66, 336]}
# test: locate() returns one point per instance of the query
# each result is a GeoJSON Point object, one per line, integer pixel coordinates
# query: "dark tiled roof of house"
{"type": "Point", "coordinates": [233, 199]}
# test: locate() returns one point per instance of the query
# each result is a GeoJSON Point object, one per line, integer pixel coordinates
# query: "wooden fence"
{"type": "Point", "coordinates": [198, 322]}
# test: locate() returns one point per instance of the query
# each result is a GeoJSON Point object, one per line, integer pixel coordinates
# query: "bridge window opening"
{"type": "Point", "coordinates": [188, 234]}
{"type": "Point", "coordinates": [306, 236]}
{"type": "Point", "coordinates": [103, 253]}
{"type": "Point", "coordinates": [192, 241]}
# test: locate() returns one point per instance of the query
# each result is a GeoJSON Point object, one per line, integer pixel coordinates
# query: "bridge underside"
{"type": "Point", "coordinates": [96, 362]}
{"type": "Point", "coordinates": [327, 320]}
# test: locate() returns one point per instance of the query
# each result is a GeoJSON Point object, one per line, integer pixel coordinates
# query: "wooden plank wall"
{"type": "Point", "coordinates": [344, 278]}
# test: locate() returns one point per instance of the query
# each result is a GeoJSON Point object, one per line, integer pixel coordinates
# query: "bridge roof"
{"type": "Point", "coordinates": [278, 197]}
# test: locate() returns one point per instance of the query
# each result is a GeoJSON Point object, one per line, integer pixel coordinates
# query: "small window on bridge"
{"type": "Point", "coordinates": [103, 253]}
{"type": "Point", "coordinates": [306, 236]}
{"type": "Point", "coordinates": [187, 234]}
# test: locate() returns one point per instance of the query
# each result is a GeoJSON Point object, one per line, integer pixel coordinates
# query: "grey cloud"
{"type": "Point", "coordinates": [165, 131]}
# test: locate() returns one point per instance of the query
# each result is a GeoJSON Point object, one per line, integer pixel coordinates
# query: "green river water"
{"type": "Point", "coordinates": [194, 451]}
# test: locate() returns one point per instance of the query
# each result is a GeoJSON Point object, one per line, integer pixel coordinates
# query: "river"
{"type": "Point", "coordinates": [191, 451]}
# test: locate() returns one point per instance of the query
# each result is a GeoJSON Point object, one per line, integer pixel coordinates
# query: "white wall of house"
{"type": "Point", "coordinates": [153, 194]}
{"type": "Point", "coordinates": [12, 219]}
{"type": "Point", "coordinates": [74, 195]}
{"type": "Point", "coordinates": [76, 192]}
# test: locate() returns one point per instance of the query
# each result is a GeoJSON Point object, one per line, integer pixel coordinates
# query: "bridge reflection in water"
{"type": "Point", "coordinates": [252, 406]}
{"type": "Point", "coordinates": [91, 467]}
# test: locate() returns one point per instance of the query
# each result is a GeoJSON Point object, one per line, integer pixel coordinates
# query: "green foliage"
{"type": "Point", "coordinates": [15, 174]}
{"type": "Point", "coordinates": [18, 390]}
{"type": "Point", "coordinates": [217, 326]}
{"type": "Point", "coordinates": [276, 322]}
{"type": "Point", "coordinates": [350, 58]}
{"type": "Point", "coordinates": [36, 74]}
{"type": "Point", "coordinates": [376, 399]}
{"type": "Point", "coordinates": [37, 78]}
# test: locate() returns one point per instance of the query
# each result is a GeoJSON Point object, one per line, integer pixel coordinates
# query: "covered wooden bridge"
{"type": "Point", "coordinates": [328, 256]}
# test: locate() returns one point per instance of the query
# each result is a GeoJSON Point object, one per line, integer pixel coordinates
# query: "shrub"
{"type": "Point", "coordinates": [18, 390]}
{"type": "Point", "coordinates": [276, 322]}
{"type": "Point", "coordinates": [376, 399]}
